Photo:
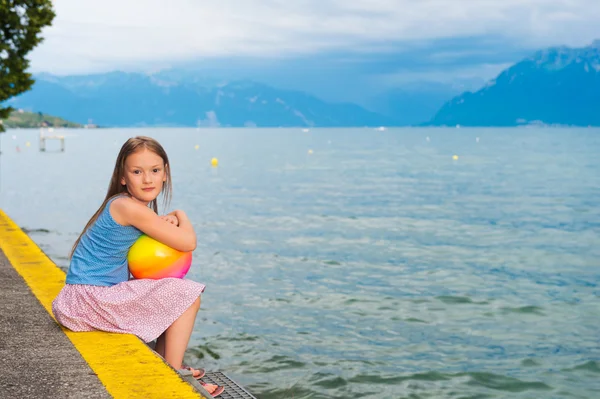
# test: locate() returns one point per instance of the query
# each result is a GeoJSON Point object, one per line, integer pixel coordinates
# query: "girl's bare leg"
{"type": "Point", "coordinates": [160, 345]}
{"type": "Point", "coordinates": [177, 336]}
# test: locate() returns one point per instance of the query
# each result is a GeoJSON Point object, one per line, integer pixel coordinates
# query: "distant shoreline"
{"type": "Point", "coordinates": [20, 119]}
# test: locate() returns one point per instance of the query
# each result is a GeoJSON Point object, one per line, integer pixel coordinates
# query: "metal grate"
{"type": "Point", "coordinates": [232, 389]}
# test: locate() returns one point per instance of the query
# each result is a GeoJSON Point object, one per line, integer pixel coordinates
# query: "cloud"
{"type": "Point", "coordinates": [90, 36]}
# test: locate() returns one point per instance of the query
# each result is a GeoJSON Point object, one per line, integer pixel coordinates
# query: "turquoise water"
{"type": "Point", "coordinates": [375, 266]}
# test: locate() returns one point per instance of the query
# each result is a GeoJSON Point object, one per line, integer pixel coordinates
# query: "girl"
{"type": "Point", "coordinates": [98, 294]}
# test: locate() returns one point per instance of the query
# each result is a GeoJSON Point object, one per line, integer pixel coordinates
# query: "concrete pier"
{"type": "Point", "coordinates": [40, 359]}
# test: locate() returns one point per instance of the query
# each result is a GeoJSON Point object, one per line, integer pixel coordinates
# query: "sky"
{"type": "Point", "coordinates": [390, 41]}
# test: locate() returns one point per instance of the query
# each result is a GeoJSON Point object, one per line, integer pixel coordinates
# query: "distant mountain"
{"type": "Point", "coordinates": [130, 99]}
{"type": "Point", "coordinates": [555, 86]}
{"type": "Point", "coordinates": [413, 103]}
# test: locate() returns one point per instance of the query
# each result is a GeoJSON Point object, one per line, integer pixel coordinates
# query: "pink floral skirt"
{"type": "Point", "coordinates": [145, 308]}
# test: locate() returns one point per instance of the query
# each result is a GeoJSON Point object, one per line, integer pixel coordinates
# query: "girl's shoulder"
{"type": "Point", "coordinates": [127, 211]}
{"type": "Point", "coordinates": [121, 206]}
{"type": "Point", "coordinates": [121, 199]}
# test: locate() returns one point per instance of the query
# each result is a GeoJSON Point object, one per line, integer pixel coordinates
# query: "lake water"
{"type": "Point", "coordinates": [345, 263]}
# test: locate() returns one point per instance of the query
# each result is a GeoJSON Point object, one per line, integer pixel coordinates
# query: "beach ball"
{"type": "Point", "coordinates": [149, 258]}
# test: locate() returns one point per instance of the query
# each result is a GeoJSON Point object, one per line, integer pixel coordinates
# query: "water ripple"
{"type": "Point", "coordinates": [377, 267]}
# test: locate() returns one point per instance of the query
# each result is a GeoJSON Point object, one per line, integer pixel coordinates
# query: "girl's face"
{"type": "Point", "coordinates": [144, 175]}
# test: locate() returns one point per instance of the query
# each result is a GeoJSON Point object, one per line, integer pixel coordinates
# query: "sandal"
{"type": "Point", "coordinates": [196, 373]}
{"type": "Point", "coordinates": [212, 389]}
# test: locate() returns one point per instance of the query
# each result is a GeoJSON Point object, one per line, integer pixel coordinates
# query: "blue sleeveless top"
{"type": "Point", "coordinates": [101, 255]}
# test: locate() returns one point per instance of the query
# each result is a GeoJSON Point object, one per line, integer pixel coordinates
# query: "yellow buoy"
{"type": "Point", "coordinates": [310, 151]}
{"type": "Point", "coordinates": [214, 162]}
{"type": "Point", "coordinates": [196, 146]}
{"type": "Point", "coordinates": [455, 157]}
{"type": "Point", "coordinates": [28, 144]}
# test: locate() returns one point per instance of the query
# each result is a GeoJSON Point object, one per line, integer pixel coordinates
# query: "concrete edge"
{"type": "Point", "coordinates": [123, 363]}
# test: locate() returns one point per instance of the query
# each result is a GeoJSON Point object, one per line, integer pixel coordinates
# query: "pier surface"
{"type": "Point", "coordinates": [40, 359]}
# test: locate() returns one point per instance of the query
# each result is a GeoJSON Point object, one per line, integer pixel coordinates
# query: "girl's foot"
{"type": "Point", "coordinates": [212, 389]}
{"type": "Point", "coordinates": [196, 373]}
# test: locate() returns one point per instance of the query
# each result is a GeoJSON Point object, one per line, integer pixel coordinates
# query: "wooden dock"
{"type": "Point", "coordinates": [44, 137]}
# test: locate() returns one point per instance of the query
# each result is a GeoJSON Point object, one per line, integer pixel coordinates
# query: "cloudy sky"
{"type": "Point", "coordinates": [395, 40]}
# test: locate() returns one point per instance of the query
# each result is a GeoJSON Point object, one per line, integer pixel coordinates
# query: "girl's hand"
{"type": "Point", "coordinates": [179, 214]}
{"type": "Point", "coordinates": [170, 219]}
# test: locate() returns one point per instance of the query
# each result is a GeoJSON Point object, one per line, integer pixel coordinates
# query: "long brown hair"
{"type": "Point", "coordinates": [115, 187]}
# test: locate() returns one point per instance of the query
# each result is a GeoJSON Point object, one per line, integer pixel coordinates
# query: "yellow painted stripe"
{"type": "Point", "coordinates": [122, 362]}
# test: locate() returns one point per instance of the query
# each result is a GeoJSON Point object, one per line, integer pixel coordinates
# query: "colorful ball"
{"type": "Point", "coordinates": [152, 259]}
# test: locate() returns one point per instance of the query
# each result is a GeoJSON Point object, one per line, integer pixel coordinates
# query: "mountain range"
{"type": "Point", "coordinates": [131, 99]}
{"type": "Point", "coordinates": [558, 85]}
